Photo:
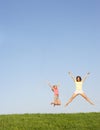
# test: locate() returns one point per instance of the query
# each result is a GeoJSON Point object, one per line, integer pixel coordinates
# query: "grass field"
{"type": "Point", "coordinates": [78, 121]}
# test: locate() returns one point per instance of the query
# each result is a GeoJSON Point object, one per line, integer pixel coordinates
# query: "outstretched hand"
{"type": "Point", "coordinates": [48, 82]}
{"type": "Point", "coordinates": [69, 73]}
{"type": "Point", "coordinates": [88, 73]}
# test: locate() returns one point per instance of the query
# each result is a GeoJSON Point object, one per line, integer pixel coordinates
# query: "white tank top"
{"type": "Point", "coordinates": [78, 85]}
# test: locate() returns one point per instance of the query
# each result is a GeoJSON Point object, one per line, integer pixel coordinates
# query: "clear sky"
{"type": "Point", "coordinates": [42, 40]}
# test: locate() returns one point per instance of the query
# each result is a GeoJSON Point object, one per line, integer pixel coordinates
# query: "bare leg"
{"type": "Point", "coordinates": [85, 97]}
{"type": "Point", "coordinates": [71, 99]}
{"type": "Point", "coordinates": [58, 102]}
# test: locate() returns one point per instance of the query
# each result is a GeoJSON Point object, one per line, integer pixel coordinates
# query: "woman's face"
{"type": "Point", "coordinates": [78, 79]}
{"type": "Point", "coordinates": [55, 86]}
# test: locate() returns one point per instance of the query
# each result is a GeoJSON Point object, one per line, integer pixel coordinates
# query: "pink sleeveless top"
{"type": "Point", "coordinates": [56, 92]}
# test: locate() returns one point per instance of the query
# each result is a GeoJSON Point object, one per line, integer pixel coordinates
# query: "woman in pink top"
{"type": "Point", "coordinates": [56, 101]}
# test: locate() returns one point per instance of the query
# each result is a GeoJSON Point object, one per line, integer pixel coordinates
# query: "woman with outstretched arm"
{"type": "Point", "coordinates": [79, 83]}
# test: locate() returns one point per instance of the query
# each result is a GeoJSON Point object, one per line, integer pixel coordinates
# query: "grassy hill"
{"type": "Point", "coordinates": [77, 121]}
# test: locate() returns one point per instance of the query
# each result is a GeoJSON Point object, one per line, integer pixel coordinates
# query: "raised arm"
{"type": "Point", "coordinates": [84, 78]}
{"type": "Point", "coordinates": [50, 85]}
{"type": "Point", "coordinates": [71, 76]}
{"type": "Point", "coordinates": [58, 84]}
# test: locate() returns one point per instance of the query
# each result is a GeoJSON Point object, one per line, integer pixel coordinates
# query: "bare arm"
{"type": "Point", "coordinates": [71, 76]}
{"type": "Point", "coordinates": [58, 84]}
{"type": "Point", "coordinates": [50, 85]}
{"type": "Point", "coordinates": [84, 78]}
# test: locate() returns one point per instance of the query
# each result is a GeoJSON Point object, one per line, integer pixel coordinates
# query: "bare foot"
{"type": "Point", "coordinates": [92, 104]}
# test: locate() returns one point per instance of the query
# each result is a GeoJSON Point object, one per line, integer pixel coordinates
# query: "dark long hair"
{"type": "Point", "coordinates": [79, 78]}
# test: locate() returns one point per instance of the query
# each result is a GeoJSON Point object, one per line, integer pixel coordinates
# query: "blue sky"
{"type": "Point", "coordinates": [42, 40]}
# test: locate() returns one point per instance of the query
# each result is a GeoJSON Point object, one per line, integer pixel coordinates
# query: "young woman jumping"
{"type": "Point", "coordinates": [78, 83]}
{"type": "Point", "coordinates": [54, 88]}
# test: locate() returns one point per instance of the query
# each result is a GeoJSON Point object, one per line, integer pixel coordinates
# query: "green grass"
{"type": "Point", "coordinates": [78, 121]}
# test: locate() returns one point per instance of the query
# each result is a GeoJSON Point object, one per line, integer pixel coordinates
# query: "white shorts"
{"type": "Point", "coordinates": [79, 92]}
